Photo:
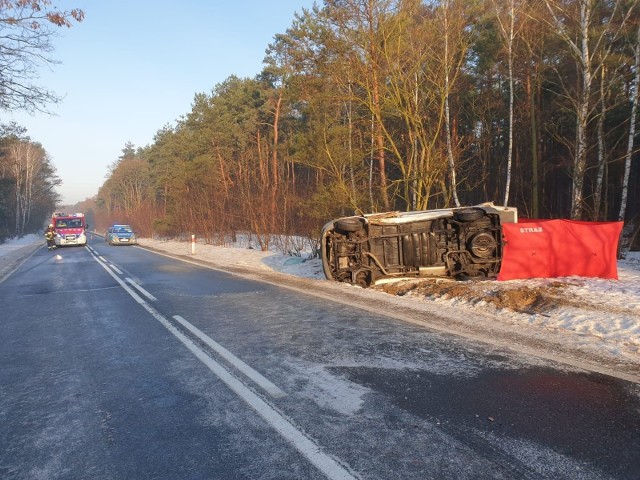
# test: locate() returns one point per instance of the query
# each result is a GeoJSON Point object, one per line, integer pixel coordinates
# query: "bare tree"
{"type": "Point", "coordinates": [27, 162]}
{"type": "Point", "coordinates": [448, 64]}
{"type": "Point", "coordinates": [452, 53]}
{"type": "Point", "coordinates": [360, 23]}
{"type": "Point", "coordinates": [590, 47]}
{"type": "Point", "coordinates": [506, 15]}
{"type": "Point", "coordinates": [26, 31]}
{"type": "Point", "coordinates": [26, 166]}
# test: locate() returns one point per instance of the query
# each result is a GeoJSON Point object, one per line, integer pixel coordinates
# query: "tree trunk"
{"type": "Point", "coordinates": [275, 181]}
{"type": "Point", "coordinates": [580, 162]}
{"type": "Point", "coordinates": [632, 130]}
{"type": "Point", "coordinates": [447, 114]}
{"type": "Point", "coordinates": [597, 196]}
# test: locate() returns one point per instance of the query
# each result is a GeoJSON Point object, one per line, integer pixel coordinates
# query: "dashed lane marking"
{"type": "Point", "coordinates": [141, 290]}
{"type": "Point", "coordinates": [327, 464]}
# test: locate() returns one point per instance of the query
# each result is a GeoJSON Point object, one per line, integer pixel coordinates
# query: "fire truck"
{"type": "Point", "coordinates": [70, 228]}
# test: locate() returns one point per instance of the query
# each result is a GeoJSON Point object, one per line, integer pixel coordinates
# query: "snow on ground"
{"type": "Point", "coordinates": [605, 313]}
{"type": "Point", "coordinates": [13, 244]}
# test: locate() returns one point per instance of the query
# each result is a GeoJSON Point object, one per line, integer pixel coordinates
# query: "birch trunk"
{"type": "Point", "coordinates": [622, 12]}
{"type": "Point", "coordinates": [447, 115]}
{"type": "Point", "coordinates": [597, 196]}
{"type": "Point", "coordinates": [580, 162]}
{"type": "Point", "coordinates": [632, 130]}
{"type": "Point", "coordinates": [508, 33]}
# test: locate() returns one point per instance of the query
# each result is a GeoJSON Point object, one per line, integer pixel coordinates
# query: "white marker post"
{"type": "Point", "coordinates": [193, 244]}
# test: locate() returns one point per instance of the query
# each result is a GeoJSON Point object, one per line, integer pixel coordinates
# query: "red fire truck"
{"type": "Point", "coordinates": [70, 228]}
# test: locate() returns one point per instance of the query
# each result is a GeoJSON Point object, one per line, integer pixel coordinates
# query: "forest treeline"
{"type": "Point", "coordinates": [28, 183]}
{"type": "Point", "coordinates": [376, 105]}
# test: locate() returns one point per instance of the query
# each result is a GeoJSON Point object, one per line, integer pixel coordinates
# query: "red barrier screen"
{"type": "Point", "coordinates": [560, 248]}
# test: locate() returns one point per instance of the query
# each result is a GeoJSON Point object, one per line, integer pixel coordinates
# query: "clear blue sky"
{"type": "Point", "coordinates": [134, 66]}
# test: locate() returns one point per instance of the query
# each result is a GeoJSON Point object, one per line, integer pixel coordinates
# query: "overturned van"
{"type": "Point", "coordinates": [460, 243]}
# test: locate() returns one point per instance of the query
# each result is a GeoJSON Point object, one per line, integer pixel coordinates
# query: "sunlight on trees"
{"type": "Point", "coordinates": [27, 184]}
{"type": "Point", "coordinates": [371, 105]}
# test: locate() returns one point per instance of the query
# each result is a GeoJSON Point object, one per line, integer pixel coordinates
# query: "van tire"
{"type": "Point", "coordinates": [468, 214]}
{"type": "Point", "coordinates": [350, 224]}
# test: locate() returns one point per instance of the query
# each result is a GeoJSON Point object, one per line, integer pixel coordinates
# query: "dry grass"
{"type": "Point", "coordinates": [525, 299]}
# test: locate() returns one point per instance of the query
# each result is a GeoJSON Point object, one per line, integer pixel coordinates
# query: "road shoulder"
{"type": "Point", "coordinates": [11, 260]}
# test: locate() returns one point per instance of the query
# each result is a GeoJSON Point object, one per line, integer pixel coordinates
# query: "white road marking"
{"type": "Point", "coordinates": [249, 372]}
{"type": "Point", "coordinates": [328, 465]}
{"type": "Point", "coordinates": [141, 290]}
{"type": "Point", "coordinates": [115, 269]}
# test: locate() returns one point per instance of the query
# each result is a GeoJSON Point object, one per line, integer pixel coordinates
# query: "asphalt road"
{"type": "Point", "coordinates": [117, 363]}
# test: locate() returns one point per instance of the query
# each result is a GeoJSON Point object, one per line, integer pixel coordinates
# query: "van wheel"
{"type": "Point", "coordinates": [483, 245]}
{"type": "Point", "coordinates": [468, 214]}
{"type": "Point", "coordinates": [351, 224]}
